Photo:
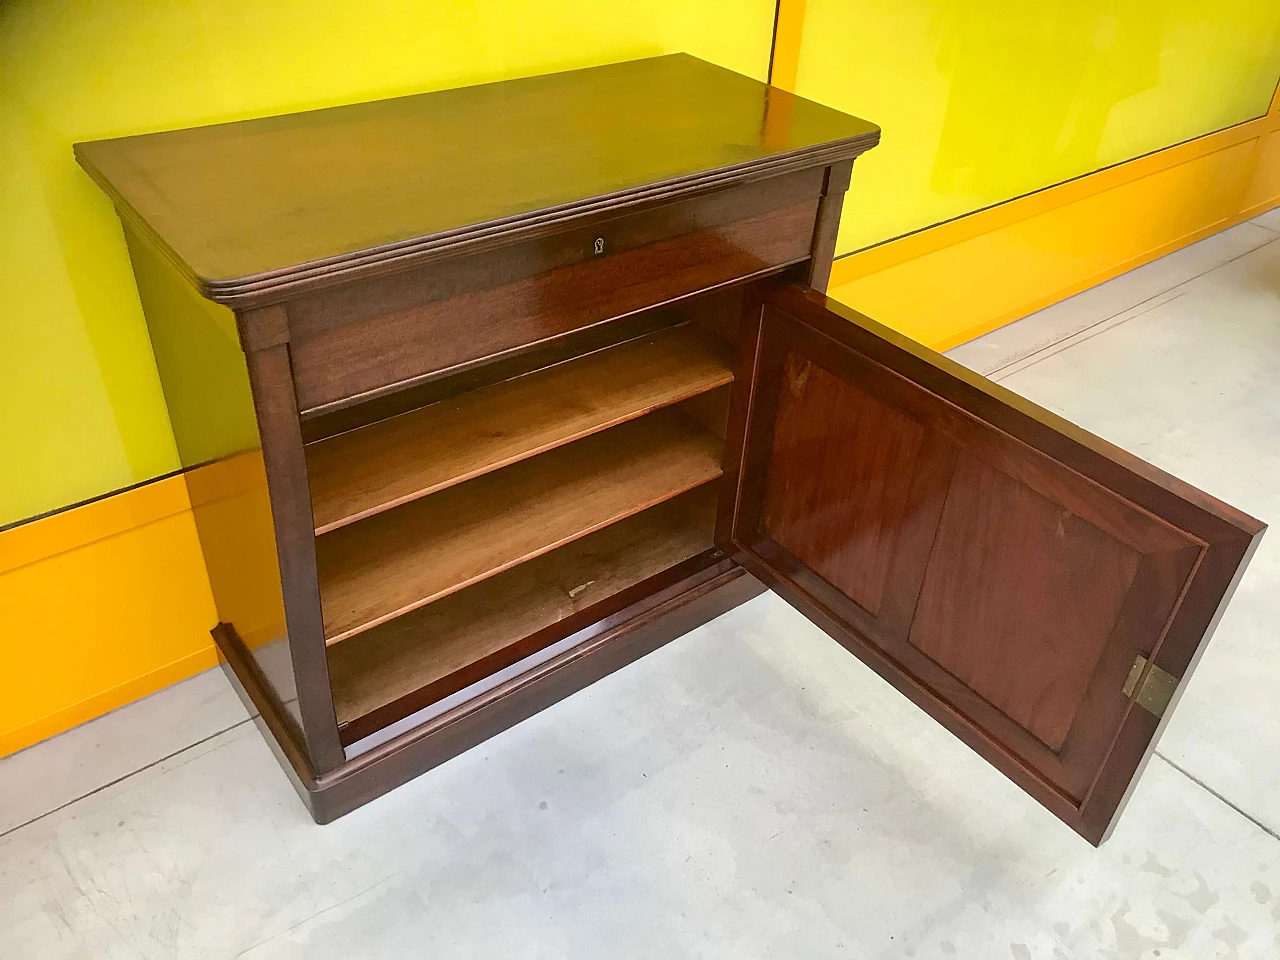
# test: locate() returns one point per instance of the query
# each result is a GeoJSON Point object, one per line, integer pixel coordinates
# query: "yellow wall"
{"type": "Point", "coordinates": [109, 601]}
{"type": "Point", "coordinates": [83, 411]}
{"type": "Point", "coordinates": [985, 100]}
{"type": "Point", "coordinates": [961, 279]}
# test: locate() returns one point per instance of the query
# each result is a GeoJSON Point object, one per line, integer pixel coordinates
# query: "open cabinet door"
{"type": "Point", "coordinates": [1038, 591]}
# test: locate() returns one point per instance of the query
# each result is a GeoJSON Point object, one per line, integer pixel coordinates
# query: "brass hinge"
{"type": "Point", "coordinates": [1157, 686]}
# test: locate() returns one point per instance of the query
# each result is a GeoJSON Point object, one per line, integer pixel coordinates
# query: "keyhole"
{"type": "Point", "coordinates": [599, 248]}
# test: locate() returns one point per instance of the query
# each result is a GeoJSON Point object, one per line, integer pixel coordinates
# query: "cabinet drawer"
{"type": "Point", "coordinates": [369, 337]}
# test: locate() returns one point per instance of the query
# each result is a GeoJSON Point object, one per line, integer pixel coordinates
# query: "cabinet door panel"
{"type": "Point", "coordinates": [1003, 568]}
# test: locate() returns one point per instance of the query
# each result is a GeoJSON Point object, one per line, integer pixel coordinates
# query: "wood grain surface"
{"type": "Point", "coordinates": [389, 564]}
{"type": "Point", "coordinates": [399, 331]}
{"type": "Point", "coordinates": [363, 472]}
{"type": "Point", "coordinates": [1000, 566]}
{"type": "Point", "coordinates": [270, 380]}
{"type": "Point", "coordinates": [446, 645]}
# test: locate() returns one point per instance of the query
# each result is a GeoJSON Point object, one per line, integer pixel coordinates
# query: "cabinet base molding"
{"type": "Point", "coordinates": [601, 649]}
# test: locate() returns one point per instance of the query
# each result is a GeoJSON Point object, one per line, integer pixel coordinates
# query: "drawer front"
{"type": "Point", "coordinates": [366, 338]}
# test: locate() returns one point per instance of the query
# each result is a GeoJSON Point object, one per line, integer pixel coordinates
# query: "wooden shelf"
{"type": "Point", "coordinates": [366, 471]}
{"type": "Point", "coordinates": [391, 563]}
{"type": "Point", "coordinates": [416, 660]}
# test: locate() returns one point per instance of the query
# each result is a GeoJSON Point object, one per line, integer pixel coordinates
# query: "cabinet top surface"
{"type": "Point", "coordinates": [260, 202]}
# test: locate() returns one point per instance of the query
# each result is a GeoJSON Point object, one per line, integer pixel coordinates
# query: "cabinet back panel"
{"type": "Point", "coordinates": [325, 423]}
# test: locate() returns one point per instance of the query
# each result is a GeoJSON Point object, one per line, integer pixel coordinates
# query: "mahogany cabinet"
{"type": "Point", "coordinates": [482, 394]}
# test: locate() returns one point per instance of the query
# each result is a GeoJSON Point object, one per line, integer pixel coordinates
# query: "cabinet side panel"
{"type": "Point", "coordinates": [206, 387]}
{"type": "Point", "coordinates": [202, 367]}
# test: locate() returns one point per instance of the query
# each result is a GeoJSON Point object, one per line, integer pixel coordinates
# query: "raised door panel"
{"type": "Point", "coordinates": [1005, 569]}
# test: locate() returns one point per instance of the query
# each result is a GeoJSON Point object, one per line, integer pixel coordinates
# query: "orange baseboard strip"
{"type": "Point", "coordinates": [99, 605]}
{"type": "Point", "coordinates": [95, 706]}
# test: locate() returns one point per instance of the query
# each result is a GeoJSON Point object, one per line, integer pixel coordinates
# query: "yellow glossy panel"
{"type": "Point", "coordinates": [81, 410]}
{"type": "Point", "coordinates": [961, 279]}
{"type": "Point", "coordinates": [985, 100]}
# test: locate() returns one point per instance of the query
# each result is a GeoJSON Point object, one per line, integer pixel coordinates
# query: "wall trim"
{"type": "Point", "coordinates": [70, 528]}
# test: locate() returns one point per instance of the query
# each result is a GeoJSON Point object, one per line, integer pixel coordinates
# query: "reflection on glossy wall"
{"type": "Point", "coordinates": [985, 100]}
{"type": "Point", "coordinates": [81, 410]}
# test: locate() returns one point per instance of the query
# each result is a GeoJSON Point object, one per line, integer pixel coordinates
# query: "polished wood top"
{"type": "Point", "coordinates": [249, 206]}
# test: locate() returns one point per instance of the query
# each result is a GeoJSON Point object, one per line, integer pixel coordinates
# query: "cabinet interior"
{"type": "Point", "coordinates": [471, 522]}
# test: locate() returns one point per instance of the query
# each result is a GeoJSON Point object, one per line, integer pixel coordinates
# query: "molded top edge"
{"type": "Point", "coordinates": [249, 206]}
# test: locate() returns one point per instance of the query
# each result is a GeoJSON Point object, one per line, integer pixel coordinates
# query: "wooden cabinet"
{"type": "Point", "coordinates": [482, 394]}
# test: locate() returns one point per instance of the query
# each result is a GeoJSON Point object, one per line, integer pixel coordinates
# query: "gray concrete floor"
{"type": "Point", "coordinates": [749, 790]}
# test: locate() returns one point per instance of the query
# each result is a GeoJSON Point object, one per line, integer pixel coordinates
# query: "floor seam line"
{"type": "Point", "coordinates": [1208, 789]}
{"type": "Point", "coordinates": [120, 779]}
{"type": "Point", "coordinates": [991, 375]}
{"type": "Point", "coordinates": [1085, 329]}
{"type": "Point", "coordinates": [1075, 339]}
{"type": "Point", "coordinates": [305, 920]}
